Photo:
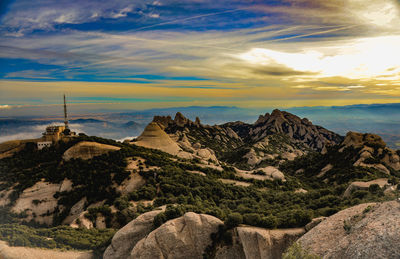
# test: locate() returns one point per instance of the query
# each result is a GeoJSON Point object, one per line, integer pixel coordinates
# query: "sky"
{"type": "Point", "coordinates": [115, 55]}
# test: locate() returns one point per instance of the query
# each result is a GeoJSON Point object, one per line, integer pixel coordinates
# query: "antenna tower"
{"type": "Point", "coordinates": [65, 114]}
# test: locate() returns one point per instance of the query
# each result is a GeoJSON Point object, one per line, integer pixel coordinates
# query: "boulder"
{"type": "Point", "coordinates": [126, 238]}
{"type": "Point", "coordinates": [364, 231]}
{"type": "Point", "coordinates": [184, 237]}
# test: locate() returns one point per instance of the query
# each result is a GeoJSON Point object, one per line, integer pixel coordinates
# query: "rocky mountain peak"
{"type": "Point", "coordinates": [164, 121]}
{"type": "Point", "coordinates": [197, 121]}
{"type": "Point", "coordinates": [289, 124]}
{"type": "Point", "coordinates": [181, 120]}
{"type": "Point", "coordinates": [277, 113]}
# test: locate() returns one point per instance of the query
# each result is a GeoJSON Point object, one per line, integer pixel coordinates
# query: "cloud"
{"type": "Point", "coordinates": [360, 58]}
{"type": "Point", "coordinates": [26, 16]}
{"type": "Point", "coordinates": [30, 73]}
{"type": "Point", "coordinates": [294, 48]}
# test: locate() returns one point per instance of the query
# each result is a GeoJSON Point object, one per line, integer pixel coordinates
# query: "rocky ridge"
{"type": "Point", "coordinates": [280, 135]}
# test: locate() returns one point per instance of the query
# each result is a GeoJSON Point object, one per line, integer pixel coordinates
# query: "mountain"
{"type": "Point", "coordinates": [256, 187]}
{"type": "Point", "coordinates": [279, 136]}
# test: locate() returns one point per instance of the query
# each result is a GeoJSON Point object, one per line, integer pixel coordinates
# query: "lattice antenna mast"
{"type": "Point", "coordinates": [65, 114]}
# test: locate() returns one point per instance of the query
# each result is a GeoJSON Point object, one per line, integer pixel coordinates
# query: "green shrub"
{"type": "Point", "coordinates": [374, 188]}
{"type": "Point", "coordinates": [233, 220]}
{"type": "Point", "coordinates": [296, 251]}
{"type": "Point", "coordinates": [360, 194]}
{"type": "Point", "coordinates": [252, 219]}
{"type": "Point", "coordinates": [269, 222]}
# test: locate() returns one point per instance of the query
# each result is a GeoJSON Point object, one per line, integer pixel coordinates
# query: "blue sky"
{"type": "Point", "coordinates": [164, 53]}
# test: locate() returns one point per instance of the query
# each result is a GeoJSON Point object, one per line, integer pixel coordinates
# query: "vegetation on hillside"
{"type": "Point", "coordinates": [268, 204]}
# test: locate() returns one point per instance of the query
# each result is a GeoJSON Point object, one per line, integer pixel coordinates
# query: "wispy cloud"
{"type": "Point", "coordinates": [286, 50]}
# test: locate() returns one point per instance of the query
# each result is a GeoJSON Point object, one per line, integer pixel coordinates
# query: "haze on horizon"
{"type": "Point", "coordinates": [165, 53]}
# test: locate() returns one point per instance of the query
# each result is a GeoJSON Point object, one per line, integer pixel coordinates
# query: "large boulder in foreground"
{"type": "Point", "coordinates": [127, 237]}
{"type": "Point", "coordinates": [87, 150]}
{"type": "Point", "coordinates": [364, 231]}
{"type": "Point", "coordinates": [258, 243]}
{"type": "Point", "coordinates": [184, 237]}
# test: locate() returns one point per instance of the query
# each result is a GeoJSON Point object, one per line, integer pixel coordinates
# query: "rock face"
{"type": "Point", "coordinates": [38, 201]}
{"type": "Point", "coordinates": [315, 137]}
{"type": "Point", "coordinates": [87, 150]}
{"type": "Point", "coordinates": [127, 237]}
{"type": "Point", "coordinates": [371, 233]}
{"type": "Point", "coordinates": [373, 152]}
{"type": "Point", "coordinates": [259, 243]}
{"type": "Point", "coordinates": [184, 237]}
{"type": "Point", "coordinates": [154, 137]}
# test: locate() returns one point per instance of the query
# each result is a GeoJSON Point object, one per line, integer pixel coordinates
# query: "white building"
{"type": "Point", "coordinates": [43, 144]}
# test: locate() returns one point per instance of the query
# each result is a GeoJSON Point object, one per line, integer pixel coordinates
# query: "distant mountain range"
{"type": "Point", "coordinates": [381, 119]}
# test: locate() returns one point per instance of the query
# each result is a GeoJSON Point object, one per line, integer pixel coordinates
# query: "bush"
{"type": "Point", "coordinates": [269, 222]}
{"type": "Point", "coordinates": [233, 220]}
{"type": "Point", "coordinates": [122, 203]}
{"type": "Point", "coordinates": [374, 188]}
{"type": "Point", "coordinates": [159, 220]}
{"type": "Point", "coordinates": [296, 251]}
{"type": "Point", "coordinates": [359, 194]}
{"type": "Point", "coordinates": [252, 219]}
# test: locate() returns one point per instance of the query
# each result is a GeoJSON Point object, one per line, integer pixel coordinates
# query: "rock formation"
{"type": "Point", "coordinates": [373, 151]}
{"type": "Point", "coordinates": [38, 201]}
{"type": "Point", "coordinates": [184, 237]}
{"type": "Point", "coordinates": [364, 231]}
{"type": "Point", "coordinates": [315, 137]}
{"type": "Point", "coordinates": [154, 137]}
{"type": "Point", "coordinates": [87, 150]}
{"type": "Point", "coordinates": [364, 185]}
{"type": "Point", "coordinates": [258, 243]}
{"type": "Point", "coordinates": [128, 236]}
{"type": "Point", "coordinates": [260, 140]}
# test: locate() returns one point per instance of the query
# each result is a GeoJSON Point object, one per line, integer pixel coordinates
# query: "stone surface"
{"type": "Point", "coordinates": [155, 137]}
{"type": "Point", "coordinates": [373, 233]}
{"type": "Point", "coordinates": [259, 243]}
{"type": "Point", "coordinates": [184, 237]}
{"type": "Point", "coordinates": [38, 201]}
{"type": "Point", "coordinates": [314, 222]}
{"type": "Point", "coordinates": [126, 238]}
